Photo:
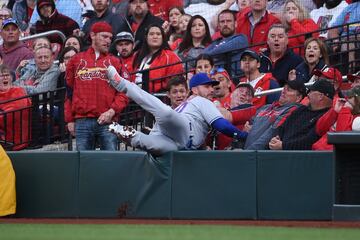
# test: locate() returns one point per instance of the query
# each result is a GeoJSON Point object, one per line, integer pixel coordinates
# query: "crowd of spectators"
{"type": "Point", "coordinates": [249, 46]}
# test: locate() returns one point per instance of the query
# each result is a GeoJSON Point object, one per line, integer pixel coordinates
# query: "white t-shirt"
{"type": "Point", "coordinates": [324, 17]}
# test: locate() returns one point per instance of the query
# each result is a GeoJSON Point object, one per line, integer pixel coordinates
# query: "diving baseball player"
{"type": "Point", "coordinates": [182, 128]}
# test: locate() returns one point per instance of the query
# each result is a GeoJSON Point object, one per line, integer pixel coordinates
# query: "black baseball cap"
{"type": "Point", "coordinates": [250, 53]}
{"type": "Point", "coordinates": [298, 86]}
{"type": "Point", "coordinates": [323, 86]}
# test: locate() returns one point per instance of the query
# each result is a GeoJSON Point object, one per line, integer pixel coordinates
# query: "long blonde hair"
{"type": "Point", "coordinates": [303, 13]}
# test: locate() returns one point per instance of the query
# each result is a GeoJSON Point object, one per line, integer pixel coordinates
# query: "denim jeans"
{"type": "Point", "coordinates": [88, 132]}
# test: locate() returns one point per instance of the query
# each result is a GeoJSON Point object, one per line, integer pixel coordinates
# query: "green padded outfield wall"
{"type": "Point", "coordinates": [47, 183]}
{"type": "Point", "coordinates": [180, 185]}
{"type": "Point", "coordinates": [214, 185]}
{"type": "Point", "coordinates": [124, 184]}
{"type": "Point", "coordinates": [295, 185]}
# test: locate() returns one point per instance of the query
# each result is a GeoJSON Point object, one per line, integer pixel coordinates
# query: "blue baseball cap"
{"type": "Point", "coordinates": [9, 21]}
{"type": "Point", "coordinates": [201, 79]}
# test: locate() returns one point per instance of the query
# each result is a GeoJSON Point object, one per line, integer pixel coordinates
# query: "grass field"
{"type": "Point", "coordinates": [168, 232]}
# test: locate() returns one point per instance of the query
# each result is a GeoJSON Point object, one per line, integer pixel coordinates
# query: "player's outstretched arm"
{"type": "Point", "coordinates": [224, 126]}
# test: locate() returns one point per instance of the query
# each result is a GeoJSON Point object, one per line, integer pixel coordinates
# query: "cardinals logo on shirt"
{"type": "Point", "coordinates": [91, 73]}
{"type": "Point", "coordinates": [258, 90]}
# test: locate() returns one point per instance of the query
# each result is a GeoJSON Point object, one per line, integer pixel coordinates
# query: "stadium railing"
{"type": "Point", "coordinates": [48, 126]}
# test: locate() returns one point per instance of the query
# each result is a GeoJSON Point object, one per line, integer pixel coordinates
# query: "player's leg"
{"type": "Point", "coordinates": [146, 100]}
{"type": "Point", "coordinates": [165, 116]}
{"type": "Point", "coordinates": [154, 144]}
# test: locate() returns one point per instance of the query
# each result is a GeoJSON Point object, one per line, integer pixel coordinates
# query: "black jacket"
{"type": "Point", "coordinates": [140, 33]}
{"type": "Point", "coordinates": [117, 22]}
{"type": "Point", "coordinates": [303, 72]}
{"type": "Point", "coordinates": [298, 131]}
{"type": "Point", "coordinates": [280, 70]}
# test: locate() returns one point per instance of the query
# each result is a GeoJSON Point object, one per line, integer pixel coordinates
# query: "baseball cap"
{"type": "Point", "coordinates": [124, 36]}
{"type": "Point", "coordinates": [9, 21]}
{"type": "Point", "coordinates": [41, 3]}
{"type": "Point", "coordinates": [323, 86]}
{"type": "Point", "coordinates": [250, 53]}
{"type": "Point", "coordinates": [353, 77]}
{"type": "Point", "coordinates": [330, 73]}
{"type": "Point", "coordinates": [354, 92]}
{"type": "Point", "coordinates": [101, 27]}
{"type": "Point", "coordinates": [298, 86]}
{"type": "Point", "coordinates": [201, 79]}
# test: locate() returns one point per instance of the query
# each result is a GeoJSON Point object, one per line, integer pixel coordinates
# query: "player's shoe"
{"type": "Point", "coordinates": [124, 132]}
{"type": "Point", "coordinates": [112, 74]}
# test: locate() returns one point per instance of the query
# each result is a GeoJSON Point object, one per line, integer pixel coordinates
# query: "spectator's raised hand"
{"type": "Point", "coordinates": [289, 16]}
{"type": "Point", "coordinates": [166, 26]}
{"type": "Point", "coordinates": [62, 67]}
{"type": "Point", "coordinates": [340, 102]}
{"type": "Point", "coordinates": [77, 32]}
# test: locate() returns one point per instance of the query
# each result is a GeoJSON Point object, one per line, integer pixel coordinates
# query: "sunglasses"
{"type": "Point", "coordinates": [217, 70]}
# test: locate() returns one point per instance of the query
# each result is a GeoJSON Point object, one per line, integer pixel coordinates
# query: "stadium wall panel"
{"type": "Point", "coordinates": [295, 185]}
{"type": "Point", "coordinates": [47, 184]}
{"type": "Point", "coordinates": [180, 185]}
{"type": "Point", "coordinates": [214, 185]}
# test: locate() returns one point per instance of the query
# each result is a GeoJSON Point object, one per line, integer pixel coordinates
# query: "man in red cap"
{"type": "Point", "coordinates": [91, 104]}
{"type": "Point", "coordinates": [222, 91]}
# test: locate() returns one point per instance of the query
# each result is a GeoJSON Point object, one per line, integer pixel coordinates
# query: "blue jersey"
{"type": "Point", "coordinates": [350, 14]}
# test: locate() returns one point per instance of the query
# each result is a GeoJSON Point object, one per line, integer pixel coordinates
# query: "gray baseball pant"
{"type": "Point", "coordinates": [174, 127]}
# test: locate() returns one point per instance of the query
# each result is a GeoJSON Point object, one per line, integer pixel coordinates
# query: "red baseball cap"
{"type": "Point", "coordinates": [101, 27]}
{"type": "Point", "coordinates": [353, 77]}
{"type": "Point", "coordinates": [221, 71]}
{"type": "Point", "coordinates": [330, 73]}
